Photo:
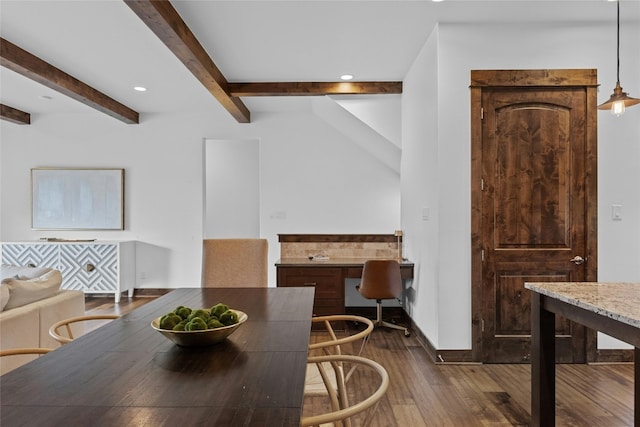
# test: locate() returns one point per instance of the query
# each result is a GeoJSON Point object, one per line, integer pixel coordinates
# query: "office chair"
{"type": "Point", "coordinates": [381, 279]}
{"type": "Point", "coordinates": [229, 263]}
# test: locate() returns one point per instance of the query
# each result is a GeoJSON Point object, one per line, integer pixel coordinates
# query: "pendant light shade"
{"type": "Point", "coordinates": [619, 100]}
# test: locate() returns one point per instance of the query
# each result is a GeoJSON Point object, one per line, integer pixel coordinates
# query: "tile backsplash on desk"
{"type": "Point", "coordinates": [339, 249]}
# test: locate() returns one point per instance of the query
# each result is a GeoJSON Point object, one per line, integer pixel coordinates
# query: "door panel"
{"type": "Point", "coordinates": [533, 212]}
{"type": "Point", "coordinates": [508, 316]}
{"type": "Point", "coordinates": [533, 179]}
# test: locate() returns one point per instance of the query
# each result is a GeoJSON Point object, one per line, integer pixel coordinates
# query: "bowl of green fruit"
{"type": "Point", "coordinates": [189, 327]}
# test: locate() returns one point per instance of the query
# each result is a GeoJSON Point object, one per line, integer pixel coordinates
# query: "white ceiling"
{"type": "Point", "coordinates": [104, 44]}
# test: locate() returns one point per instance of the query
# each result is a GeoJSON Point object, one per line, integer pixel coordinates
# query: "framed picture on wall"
{"type": "Point", "coordinates": [77, 199]}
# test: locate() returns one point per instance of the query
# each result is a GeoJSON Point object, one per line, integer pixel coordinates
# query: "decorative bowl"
{"type": "Point", "coordinates": [200, 338]}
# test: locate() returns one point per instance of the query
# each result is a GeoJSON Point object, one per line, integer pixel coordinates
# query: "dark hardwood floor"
{"type": "Point", "coordinates": [423, 393]}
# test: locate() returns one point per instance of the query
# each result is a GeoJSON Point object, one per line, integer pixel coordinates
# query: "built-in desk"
{"type": "Point", "coordinates": [328, 278]}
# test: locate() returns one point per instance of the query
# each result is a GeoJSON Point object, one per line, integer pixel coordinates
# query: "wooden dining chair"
{"type": "Point", "coordinates": [69, 326]}
{"type": "Point", "coordinates": [331, 341]}
{"type": "Point", "coordinates": [26, 350]}
{"type": "Point", "coordinates": [230, 263]}
{"type": "Point", "coordinates": [382, 279]}
{"type": "Point", "coordinates": [23, 355]}
{"type": "Point", "coordinates": [339, 411]}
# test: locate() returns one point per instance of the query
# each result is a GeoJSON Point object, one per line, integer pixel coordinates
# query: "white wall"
{"type": "Point", "coordinates": [319, 180]}
{"type": "Point", "coordinates": [232, 188]}
{"type": "Point", "coordinates": [420, 187]}
{"type": "Point", "coordinates": [460, 49]}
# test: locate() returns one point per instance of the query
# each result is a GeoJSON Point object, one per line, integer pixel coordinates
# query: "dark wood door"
{"type": "Point", "coordinates": [534, 213]}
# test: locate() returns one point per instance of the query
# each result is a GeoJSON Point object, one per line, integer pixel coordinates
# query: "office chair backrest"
{"type": "Point", "coordinates": [228, 263]}
{"type": "Point", "coordinates": [381, 279]}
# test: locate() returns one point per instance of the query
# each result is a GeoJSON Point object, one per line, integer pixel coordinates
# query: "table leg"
{"type": "Point", "coordinates": [636, 380]}
{"type": "Point", "coordinates": [543, 368]}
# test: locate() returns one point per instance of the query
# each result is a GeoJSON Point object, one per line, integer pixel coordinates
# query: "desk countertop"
{"type": "Point", "coordinates": [334, 262]}
{"type": "Point", "coordinates": [618, 301]}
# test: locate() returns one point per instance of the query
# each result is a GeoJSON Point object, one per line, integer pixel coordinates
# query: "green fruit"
{"type": "Point", "coordinates": [200, 313]}
{"type": "Point", "coordinates": [180, 326]}
{"type": "Point", "coordinates": [218, 309]}
{"type": "Point", "coordinates": [214, 323]}
{"type": "Point", "coordinates": [229, 317]}
{"type": "Point", "coordinates": [197, 324]}
{"type": "Point", "coordinates": [183, 318]}
{"type": "Point", "coordinates": [169, 320]}
{"type": "Point", "coordinates": [183, 312]}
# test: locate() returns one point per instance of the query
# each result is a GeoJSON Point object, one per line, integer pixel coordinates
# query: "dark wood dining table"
{"type": "Point", "coordinates": [126, 373]}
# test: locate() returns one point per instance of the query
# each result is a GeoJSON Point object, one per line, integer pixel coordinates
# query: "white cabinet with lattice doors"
{"type": "Point", "coordinates": [98, 267]}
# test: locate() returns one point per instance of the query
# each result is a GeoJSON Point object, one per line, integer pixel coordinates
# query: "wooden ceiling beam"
{"type": "Point", "coordinates": [30, 66]}
{"type": "Point", "coordinates": [166, 23]}
{"type": "Point", "coordinates": [314, 88]}
{"type": "Point", "coordinates": [14, 115]}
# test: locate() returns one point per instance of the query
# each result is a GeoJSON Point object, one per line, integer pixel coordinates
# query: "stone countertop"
{"type": "Point", "coordinates": [618, 301]}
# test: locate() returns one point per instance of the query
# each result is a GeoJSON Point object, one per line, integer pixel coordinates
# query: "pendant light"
{"type": "Point", "coordinates": [619, 101]}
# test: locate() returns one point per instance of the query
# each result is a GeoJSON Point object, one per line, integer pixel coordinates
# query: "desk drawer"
{"type": "Point", "coordinates": [327, 308]}
{"type": "Point", "coordinates": [328, 283]}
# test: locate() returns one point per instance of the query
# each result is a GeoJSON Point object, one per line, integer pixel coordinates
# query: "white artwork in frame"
{"type": "Point", "coordinates": [77, 199]}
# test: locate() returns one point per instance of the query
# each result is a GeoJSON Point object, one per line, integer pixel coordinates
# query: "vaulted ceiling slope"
{"type": "Point", "coordinates": [296, 44]}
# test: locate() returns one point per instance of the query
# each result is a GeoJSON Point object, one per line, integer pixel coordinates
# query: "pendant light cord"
{"type": "Point", "coordinates": [618, 41]}
{"type": "Point", "coordinates": [619, 100]}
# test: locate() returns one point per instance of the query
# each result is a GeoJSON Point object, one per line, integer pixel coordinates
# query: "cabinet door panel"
{"type": "Point", "coordinates": [26, 254]}
{"type": "Point", "coordinates": [91, 268]}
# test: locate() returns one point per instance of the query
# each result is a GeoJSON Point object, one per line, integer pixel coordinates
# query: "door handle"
{"type": "Point", "coordinates": [577, 260]}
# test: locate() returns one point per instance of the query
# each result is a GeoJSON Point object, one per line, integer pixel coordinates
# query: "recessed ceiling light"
{"type": "Point", "coordinates": [346, 77]}
{"type": "Point", "coordinates": [140, 88]}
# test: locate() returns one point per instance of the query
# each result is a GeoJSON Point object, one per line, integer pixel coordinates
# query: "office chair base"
{"type": "Point", "coordinates": [380, 322]}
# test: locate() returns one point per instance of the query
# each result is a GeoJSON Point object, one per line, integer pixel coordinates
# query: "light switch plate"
{"type": "Point", "coordinates": [425, 214]}
{"type": "Point", "coordinates": [616, 212]}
